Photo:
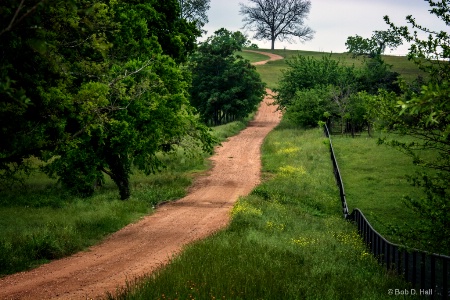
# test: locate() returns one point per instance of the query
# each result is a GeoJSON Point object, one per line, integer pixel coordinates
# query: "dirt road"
{"type": "Point", "coordinates": [263, 62]}
{"type": "Point", "coordinates": [142, 247]}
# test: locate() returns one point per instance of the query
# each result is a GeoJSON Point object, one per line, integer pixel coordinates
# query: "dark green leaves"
{"type": "Point", "coordinates": [94, 87]}
{"type": "Point", "coordinates": [224, 87]}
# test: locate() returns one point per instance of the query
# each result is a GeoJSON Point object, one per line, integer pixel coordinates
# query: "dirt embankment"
{"type": "Point", "coordinates": [142, 247]}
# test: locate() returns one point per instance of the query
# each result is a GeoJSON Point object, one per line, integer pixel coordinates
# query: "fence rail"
{"type": "Point", "coordinates": [337, 175]}
{"type": "Point", "coordinates": [430, 273]}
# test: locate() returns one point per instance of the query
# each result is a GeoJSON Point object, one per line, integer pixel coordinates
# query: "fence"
{"type": "Point", "coordinates": [429, 273]}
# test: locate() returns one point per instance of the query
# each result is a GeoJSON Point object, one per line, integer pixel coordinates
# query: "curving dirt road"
{"type": "Point", "coordinates": [263, 62]}
{"type": "Point", "coordinates": [142, 247]}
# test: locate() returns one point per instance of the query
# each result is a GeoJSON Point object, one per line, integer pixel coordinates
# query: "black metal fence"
{"type": "Point", "coordinates": [337, 175]}
{"type": "Point", "coordinates": [428, 273]}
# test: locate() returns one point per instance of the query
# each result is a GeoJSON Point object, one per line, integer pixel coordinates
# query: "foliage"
{"type": "Point", "coordinates": [224, 87]}
{"type": "Point", "coordinates": [305, 72]}
{"type": "Point", "coordinates": [94, 88]}
{"type": "Point", "coordinates": [344, 89]}
{"type": "Point", "coordinates": [430, 54]}
{"type": "Point", "coordinates": [309, 106]}
{"type": "Point", "coordinates": [376, 74]}
{"type": "Point", "coordinates": [375, 45]}
{"type": "Point", "coordinates": [425, 115]}
{"type": "Point", "coordinates": [195, 11]}
{"type": "Point", "coordinates": [312, 90]}
{"type": "Point", "coordinates": [277, 19]}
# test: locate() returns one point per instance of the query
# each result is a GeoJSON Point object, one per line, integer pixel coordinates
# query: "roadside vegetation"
{"type": "Point", "coordinates": [373, 97]}
{"type": "Point", "coordinates": [287, 239]}
{"type": "Point", "coordinates": [40, 221]}
{"type": "Point", "coordinates": [98, 101]}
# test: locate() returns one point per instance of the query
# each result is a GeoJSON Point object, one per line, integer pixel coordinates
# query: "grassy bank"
{"type": "Point", "coordinates": [287, 240]}
{"type": "Point", "coordinates": [39, 221]}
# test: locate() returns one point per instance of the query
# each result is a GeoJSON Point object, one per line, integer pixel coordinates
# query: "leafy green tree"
{"type": "Point", "coordinates": [375, 45]}
{"type": "Point", "coordinates": [315, 90]}
{"type": "Point", "coordinates": [195, 11]}
{"type": "Point", "coordinates": [305, 72]}
{"type": "Point", "coordinates": [344, 95]}
{"type": "Point", "coordinates": [93, 87]}
{"type": "Point", "coordinates": [225, 87]}
{"type": "Point", "coordinates": [241, 39]}
{"type": "Point", "coordinates": [425, 116]}
{"type": "Point", "coordinates": [35, 78]}
{"type": "Point", "coordinates": [376, 74]}
{"type": "Point", "coordinates": [311, 105]}
{"type": "Point", "coordinates": [278, 19]}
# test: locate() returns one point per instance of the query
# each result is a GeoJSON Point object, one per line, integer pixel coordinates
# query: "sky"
{"type": "Point", "coordinates": [332, 20]}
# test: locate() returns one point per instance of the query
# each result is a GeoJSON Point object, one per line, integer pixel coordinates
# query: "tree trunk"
{"type": "Point", "coordinates": [273, 43]}
{"type": "Point", "coordinates": [119, 174]}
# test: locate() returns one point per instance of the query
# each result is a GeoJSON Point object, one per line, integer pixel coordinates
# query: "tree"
{"type": "Point", "coordinates": [343, 90]}
{"type": "Point", "coordinates": [224, 87]}
{"type": "Point", "coordinates": [194, 11]}
{"type": "Point", "coordinates": [305, 73]}
{"type": "Point", "coordinates": [309, 106]}
{"type": "Point", "coordinates": [376, 74]}
{"type": "Point", "coordinates": [278, 19]}
{"type": "Point", "coordinates": [374, 46]}
{"type": "Point", "coordinates": [424, 115]}
{"type": "Point", "coordinates": [94, 88]}
{"type": "Point", "coordinates": [241, 39]}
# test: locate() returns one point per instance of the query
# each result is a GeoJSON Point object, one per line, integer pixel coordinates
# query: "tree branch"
{"type": "Point", "coordinates": [16, 14]}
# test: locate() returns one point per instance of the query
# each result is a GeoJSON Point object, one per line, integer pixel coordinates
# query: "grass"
{"type": "Point", "coordinates": [271, 72]}
{"type": "Point", "coordinates": [40, 222]}
{"type": "Point", "coordinates": [287, 240]}
{"type": "Point", "coordinates": [252, 57]}
{"type": "Point", "coordinates": [375, 179]}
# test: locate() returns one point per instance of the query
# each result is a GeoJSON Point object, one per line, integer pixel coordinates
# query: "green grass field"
{"type": "Point", "coordinates": [375, 179]}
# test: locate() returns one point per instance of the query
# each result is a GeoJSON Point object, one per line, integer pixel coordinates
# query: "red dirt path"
{"type": "Point", "coordinates": [142, 247]}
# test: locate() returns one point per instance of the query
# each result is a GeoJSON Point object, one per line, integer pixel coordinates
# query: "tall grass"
{"type": "Point", "coordinates": [287, 240]}
{"type": "Point", "coordinates": [40, 221]}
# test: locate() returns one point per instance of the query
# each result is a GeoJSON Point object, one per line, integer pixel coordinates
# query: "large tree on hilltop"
{"type": "Point", "coordinates": [278, 19]}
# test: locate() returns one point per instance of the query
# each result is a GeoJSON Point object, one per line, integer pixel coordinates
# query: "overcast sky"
{"type": "Point", "coordinates": [332, 20]}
